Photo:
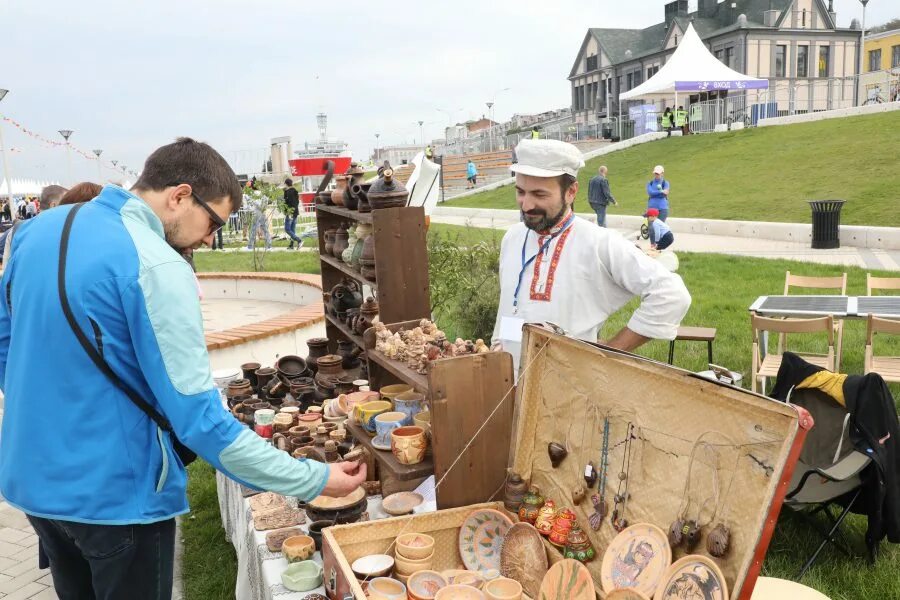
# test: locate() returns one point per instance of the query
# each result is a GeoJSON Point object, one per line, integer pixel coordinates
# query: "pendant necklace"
{"type": "Point", "coordinates": [619, 522]}
{"type": "Point", "coordinates": [719, 539]}
{"type": "Point", "coordinates": [683, 529]}
{"type": "Point", "coordinates": [599, 499]}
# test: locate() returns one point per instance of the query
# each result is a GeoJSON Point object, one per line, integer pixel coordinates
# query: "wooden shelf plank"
{"type": "Point", "coordinates": [356, 339]}
{"type": "Point", "coordinates": [386, 458]}
{"type": "Point", "coordinates": [345, 213]}
{"type": "Point", "coordinates": [399, 369]}
{"type": "Point", "coordinates": [346, 270]}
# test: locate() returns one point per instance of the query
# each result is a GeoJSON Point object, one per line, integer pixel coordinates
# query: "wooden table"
{"type": "Point", "coordinates": [842, 307]}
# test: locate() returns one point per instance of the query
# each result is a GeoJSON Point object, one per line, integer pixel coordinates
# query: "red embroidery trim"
{"type": "Point", "coordinates": [554, 262]}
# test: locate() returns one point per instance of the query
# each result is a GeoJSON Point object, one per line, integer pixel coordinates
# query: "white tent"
{"type": "Point", "coordinates": [692, 68]}
{"type": "Point", "coordinates": [23, 187]}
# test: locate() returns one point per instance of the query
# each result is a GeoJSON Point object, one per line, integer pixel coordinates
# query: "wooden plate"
{"type": "Point", "coordinates": [693, 577]}
{"type": "Point", "coordinates": [328, 503]}
{"type": "Point", "coordinates": [481, 539]}
{"type": "Point", "coordinates": [567, 580]}
{"type": "Point", "coordinates": [523, 557]}
{"type": "Point", "coordinates": [626, 594]}
{"type": "Point", "coordinates": [401, 503]}
{"type": "Point", "coordinates": [636, 558]}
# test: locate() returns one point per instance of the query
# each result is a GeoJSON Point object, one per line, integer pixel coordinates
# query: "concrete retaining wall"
{"type": "Point", "coordinates": [854, 111]}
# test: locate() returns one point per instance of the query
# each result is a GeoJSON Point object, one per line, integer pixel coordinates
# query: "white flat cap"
{"type": "Point", "coordinates": [547, 158]}
{"type": "Point", "coordinates": [658, 169]}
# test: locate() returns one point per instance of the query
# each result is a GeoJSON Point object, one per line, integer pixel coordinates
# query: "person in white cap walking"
{"type": "Point", "coordinates": [658, 192]}
{"type": "Point", "coordinates": [559, 268]}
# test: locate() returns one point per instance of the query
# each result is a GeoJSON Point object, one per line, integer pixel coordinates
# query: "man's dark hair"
{"type": "Point", "coordinates": [194, 163]}
{"type": "Point", "coordinates": [288, 182]}
{"type": "Point", "coordinates": [51, 195]}
{"type": "Point", "coordinates": [565, 182]}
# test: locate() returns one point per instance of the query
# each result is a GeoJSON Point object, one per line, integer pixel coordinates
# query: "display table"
{"type": "Point", "coordinates": [769, 588]}
{"type": "Point", "coordinates": [258, 570]}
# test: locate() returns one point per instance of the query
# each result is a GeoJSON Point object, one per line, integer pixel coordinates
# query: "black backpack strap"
{"type": "Point", "coordinates": [92, 352]}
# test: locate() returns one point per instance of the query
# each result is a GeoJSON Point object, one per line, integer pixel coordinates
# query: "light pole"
{"type": "Point", "coordinates": [377, 154]}
{"type": "Point", "coordinates": [67, 133]}
{"type": "Point", "coordinates": [490, 106]}
{"type": "Point", "coordinates": [862, 51]}
{"type": "Point", "coordinates": [421, 133]}
{"type": "Point", "coordinates": [6, 164]}
{"type": "Point", "coordinates": [98, 152]}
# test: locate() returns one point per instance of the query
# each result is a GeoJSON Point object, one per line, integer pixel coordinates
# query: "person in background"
{"type": "Point", "coordinates": [660, 235]}
{"type": "Point", "coordinates": [30, 209]}
{"type": "Point", "coordinates": [471, 175]}
{"type": "Point", "coordinates": [292, 201]}
{"type": "Point", "coordinates": [82, 192]}
{"type": "Point", "coordinates": [7, 211]}
{"type": "Point", "coordinates": [658, 193]}
{"type": "Point", "coordinates": [681, 121]}
{"type": "Point", "coordinates": [668, 121]}
{"type": "Point", "coordinates": [599, 195]}
{"type": "Point", "coordinates": [258, 204]}
{"type": "Point", "coordinates": [429, 153]}
{"type": "Point", "coordinates": [535, 133]}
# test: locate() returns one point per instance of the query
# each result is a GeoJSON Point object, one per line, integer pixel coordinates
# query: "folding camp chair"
{"type": "Point", "coordinates": [829, 471]}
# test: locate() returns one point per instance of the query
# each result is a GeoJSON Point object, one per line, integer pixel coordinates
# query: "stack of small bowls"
{"type": "Point", "coordinates": [413, 552]}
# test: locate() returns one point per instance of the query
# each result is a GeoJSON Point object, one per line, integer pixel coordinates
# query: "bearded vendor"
{"type": "Point", "coordinates": [559, 268]}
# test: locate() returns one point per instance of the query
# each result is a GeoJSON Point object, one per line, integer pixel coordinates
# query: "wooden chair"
{"type": "Point", "coordinates": [881, 283]}
{"type": "Point", "coordinates": [765, 366]}
{"type": "Point", "coordinates": [694, 334]}
{"type": "Point", "coordinates": [836, 283]}
{"type": "Point", "coordinates": [886, 366]}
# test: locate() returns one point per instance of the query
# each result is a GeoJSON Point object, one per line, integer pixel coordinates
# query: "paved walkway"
{"type": "Point", "coordinates": [865, 258]}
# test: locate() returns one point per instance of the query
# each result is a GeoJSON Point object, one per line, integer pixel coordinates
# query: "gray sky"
{"type": "Point", "coordinates": [130, 76]}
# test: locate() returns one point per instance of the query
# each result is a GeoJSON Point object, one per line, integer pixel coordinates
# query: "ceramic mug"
{"type": "Point", "coordinates": [389, 392]}
{"type": "Point", "coordinates": [385, 423]}
{"type": "Point", "coordinates": [365, 413]}
{"type": "Point", "coordinates": [409, 444]}
{"type": "Point", "coordinates": [294, 411]}
{"type": "Point", "coordinates": [282, 442]}
{"type": "Point", "coordinates": [355, 399]}
{"type": "Point", "coordinates": [298, 548]}
{"type": "Point", "coordinates": [302, 576]}
{"type": "Point", "coordinates": [283, 422]}
{"type": "Point", "coordinates": [423, 420]}
{"type": "Point", "coordinates": [298, 431]}
{"type": "Point", "coordinates": [410, 403]}
{"type": "Point", "coordinates": [385, 588]}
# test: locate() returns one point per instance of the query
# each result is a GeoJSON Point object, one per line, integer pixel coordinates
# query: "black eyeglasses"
{"type": "Point", "coordinates": [216, 222]}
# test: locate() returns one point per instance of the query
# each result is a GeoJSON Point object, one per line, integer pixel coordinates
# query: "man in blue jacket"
{"type": "Point", "coordinates": [658, 193]}
{"type": "Point", "coordinates": [99, 480]}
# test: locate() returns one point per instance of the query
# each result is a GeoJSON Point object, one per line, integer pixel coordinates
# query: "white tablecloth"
{"type": "Point", "coordinates": [258, 570]}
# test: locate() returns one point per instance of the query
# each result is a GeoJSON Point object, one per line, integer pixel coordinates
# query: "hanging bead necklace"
{"type": "Point", "coordinates": [619, 522]}
{"type": "Point", "coordinates": [599, 499]}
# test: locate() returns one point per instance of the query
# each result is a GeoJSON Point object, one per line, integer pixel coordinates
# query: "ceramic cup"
{"type": "Point", "coordinates": [263, 422]}
{"type": "Point", "coordinates": [384, 588]}
{"type": "Point", "coordinates": [283, 422]}
{"type": "Point", "coordinates": [503, 589]}
{"type": "Point", "coordinates": [294, 411]}
{"type": "Point", "coordinates": [409, 444]}
{"type": "Point", "coordinates": [410, 403]}
{"type": "Point", "coordinates": [359, 383]}
{"type": "Point", "coordinates": [389, 392]}
{"type": "Point", "coordinates": [302, 576]}
{"type": "Point", "coordinates": [355, 399]}
{"type": "Point", "coordinates": [365, 414]}
{"type": "Point", "coordinates": [423, 420]}
{"type": "Point", "coordinates": [385, 423]}
{"type": "Point", "coordinates": [298, 548]}
{"type": "Point", "coordinates": [459, 592]}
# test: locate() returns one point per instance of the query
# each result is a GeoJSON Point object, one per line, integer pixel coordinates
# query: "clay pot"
{"type": "Point", "coordinates": [290, 366]}
{"type": "Point", "coordinates": [346, 295]}
{"type": "Point", "coordinates": [315, 531]}
{"type": "Point", "coordinates": [559, 533]}
{"type": "Point", "coordinates": [387, 192]}
{"type": "Point", "coordinates": [546, 517]}
{"type": "Point", "coordinates": [579, 546]}
{"type": "Point", "coordinates": [352, 241]}
{"type": "Point", "coordinates": [337, 194]}
{"type": "Point", "coordinates": [249, 370]}
{"type": "Point", "coordinates": [557, 453]}
{"type": "Point", "coordinates": [329, 240]}
{"type": "Point", "coordinates": [514, 492]}
{"type": "Point", "coordinates": [264, 375]}
{"type": "Point", "coordinates": [317, 347]}
{"type": "Point", "coordinates": [367, 257]}
{"type": "Point", "coordinates": [531, 505]}
{"type": "Point", "coordinates": [234, 400]}
{"type": "Point", "coordinates": [241, 387]}
{"type": "Point", "coordinates": [349, 353]}
{"type": "Point", "coordinates": [341, 240]}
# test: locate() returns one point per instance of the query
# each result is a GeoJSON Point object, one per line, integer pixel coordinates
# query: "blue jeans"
{"type": "Point", "coordinates": [600, 209]}
{"type": "Point", "coordinates": [290, 228]}
{"type": "Point", "coordinates": [108, 561]}
{"type": "Point", "coordinates": [260, 223]}
{"type": "Point", "coordinates": [663, 214]}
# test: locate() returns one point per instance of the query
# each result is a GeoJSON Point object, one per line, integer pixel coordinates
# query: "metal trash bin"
{"type": "Point", "coordinates": [826, 223]}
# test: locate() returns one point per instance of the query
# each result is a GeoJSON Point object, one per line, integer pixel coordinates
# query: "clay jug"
{"type": "Point", "coordinates": [317, 347]}
{"type": "Point", "coordinates": [387, 192]}
{"type": "Point", "coordinates": [329, 241]}
{"type": "Point", "coordinates": [347, 254]}
{"type": "Point", "coordinates": [249, 370]}
{"type": "Point", "coordinates": [514, 492]}
{"type": "Point", "coordinates": [348, 351]}
{"type": "Point", "coordinates": [341, 237]}
{"type": "Point", "coordinates": [367, 256]}
{"type": "Point", "coordinates": [337, 194]}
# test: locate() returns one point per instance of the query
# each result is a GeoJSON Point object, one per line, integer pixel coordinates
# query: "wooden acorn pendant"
{"type": "Point", "coordinates": [691, 531]}
{"type": "Point", "coordinates": [578, 494]}
{"type": "Point", "coordinates": [718, 540]}
{"type": "Point", "coordinates": [557, 453]}
{"type": "Point", "coordinates": [675, 535]}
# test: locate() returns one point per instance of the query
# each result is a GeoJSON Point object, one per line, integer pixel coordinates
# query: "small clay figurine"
{"type": "Point", "coordinates": [579, 546]}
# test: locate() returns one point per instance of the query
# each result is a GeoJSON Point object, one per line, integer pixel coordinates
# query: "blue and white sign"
{"type": "Point", "coordinates": [713, 86]}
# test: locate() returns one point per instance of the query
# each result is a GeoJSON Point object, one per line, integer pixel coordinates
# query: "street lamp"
{"type": "Point", "coordinates": [862, 51]}
{"type": "Point", "coordinates": [67, 133]}
{"type": "Point", "coordinates": [6, 163]}
{"type": "Point", "coordinates": [98, 152]}
{"type": "Point", "coordinates": [421, 133]}
{"type": "Point", "coordinates": [377, 154]}
{"type": "Point", "coordinates": [490, 106]}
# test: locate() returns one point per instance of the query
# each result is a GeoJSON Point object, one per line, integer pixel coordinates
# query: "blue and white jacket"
{"type": "Point", "coordinates": [72, 445]}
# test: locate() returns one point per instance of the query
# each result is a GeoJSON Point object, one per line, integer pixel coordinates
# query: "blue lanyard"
{"type": "Point", "coordinates": [541, 250]}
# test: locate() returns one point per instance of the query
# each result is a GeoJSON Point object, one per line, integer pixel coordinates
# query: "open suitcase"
{"type": "Point", "coordinates": [567, 389]}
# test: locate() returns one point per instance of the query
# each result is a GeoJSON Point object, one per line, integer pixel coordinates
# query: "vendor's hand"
{"type": "Point", "coordinates": [343, 478]}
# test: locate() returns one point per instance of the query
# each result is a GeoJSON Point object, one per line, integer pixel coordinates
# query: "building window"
{"type": "Point", "coordinates": [780, 55]}
{"type": "Point", "coordinates": [824, 59]}
{"type": "Point", "coordinates": [875, 60]}
{"type": "Point", "coordinates": [895, 57]}
{"type": "Point", "coordinates": [592, 63]}
{"type": "Point", "coordinates": [718, 55]}
{"type": "Point", "coordinates": [803, 23]}
{"type": "Point", "coordinates": [802, 61]}
{"type": "Point", "coordinates": [629, 80]}
{"type": "Point", "coordinates": [729, 56]}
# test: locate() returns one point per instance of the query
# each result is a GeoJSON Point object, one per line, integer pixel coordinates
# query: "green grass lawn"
{"type": "Point", "coordinates": [759, 174]}
{"type": "Point", "coordinates": [722, 288]}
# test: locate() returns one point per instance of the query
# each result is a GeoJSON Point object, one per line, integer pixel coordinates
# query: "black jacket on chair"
{"type": "Point", "coordinates": [874, 431]}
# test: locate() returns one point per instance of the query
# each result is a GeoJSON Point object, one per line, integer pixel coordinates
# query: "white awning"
{"type": "Point", "coordinates": [692, 68]}
{"type": "Point", "coordinates": [24, 187]}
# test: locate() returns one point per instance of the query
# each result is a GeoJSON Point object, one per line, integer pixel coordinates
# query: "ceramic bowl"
{"type": "Point", "coordinates": [365, 414]}
{"type": "Point", "coordinates": [469, 578]}
{"type": "Point", "coordinates": [373, 565]}
{"type": "Point", "coordinates": [402, 503]}
{"type": "Point", "coordinates": [423, 585]}
{"type": "Point", "coordinates": [383, 588]}
{"type": "Point", "coordinates": [389, 392]}
{"type": "Point", "coordinates": [408, 566]}
{"type": "Point", "coordinates": [302, 576]}
{"type": "Point", "coordinates": [298, 548]}
{"type": "Point", "coordinates": [503, 589]}
{"type": "Point", "coordinates": [459, 592]}
{"type": "Point", "coordinates": [414, 546]}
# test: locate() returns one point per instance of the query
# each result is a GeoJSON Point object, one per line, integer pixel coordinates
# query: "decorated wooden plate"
{"type": "Point", "coordinates": [481, 539]}
{"type": "Point", "coordinates": [523, 557]}
{"type": "Point", "coordinates": [693, 577]}
{"type": "Point", "coordinates": [636, 558]}
{"type": "Point", "coordinates": [567, 580]}
{"type": "Point", "coordinates": [626, 594]}
{"type": "Point", "coordinates": [401, 503]}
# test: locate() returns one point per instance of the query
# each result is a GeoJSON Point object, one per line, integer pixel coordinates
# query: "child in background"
{"type": "Point", "coordinates": [660, 235]}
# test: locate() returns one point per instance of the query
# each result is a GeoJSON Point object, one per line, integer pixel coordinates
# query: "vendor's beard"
{"type": "Point", "coordinates": [537, 219]}
{"type": "Point", "coordinates": [171, 231]}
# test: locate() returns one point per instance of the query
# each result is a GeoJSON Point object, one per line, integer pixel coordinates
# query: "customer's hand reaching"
{"type": "Point", "coordinates": [343, 478]}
